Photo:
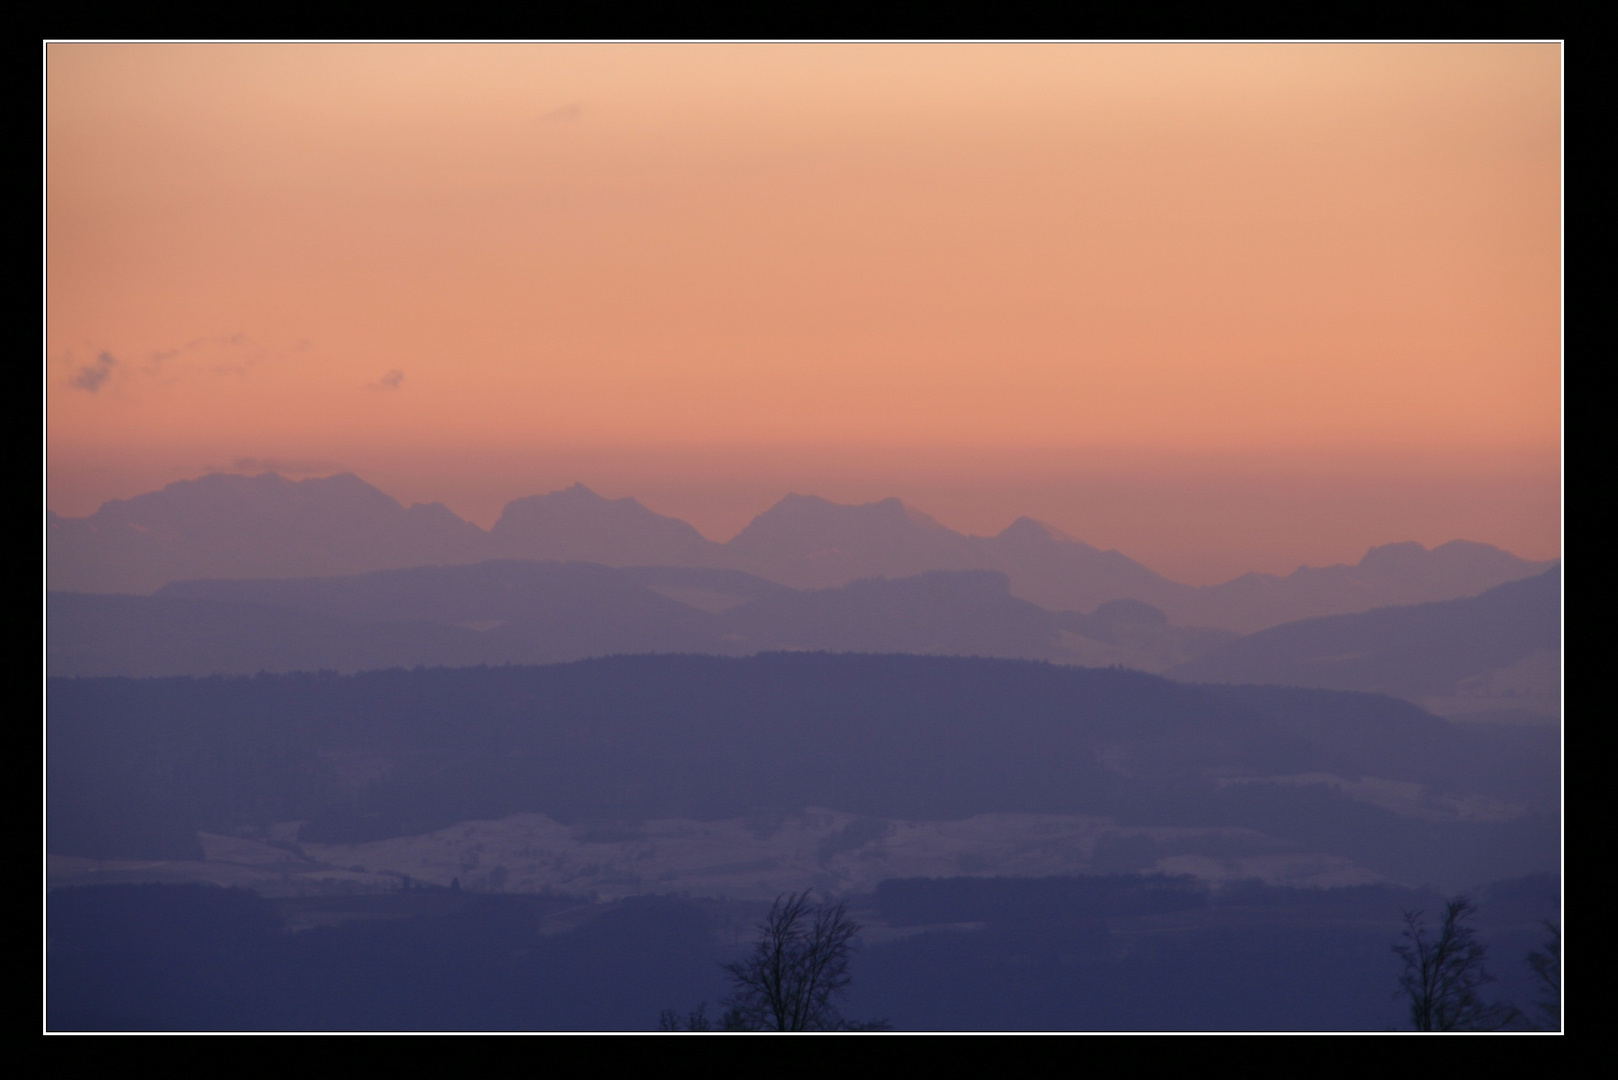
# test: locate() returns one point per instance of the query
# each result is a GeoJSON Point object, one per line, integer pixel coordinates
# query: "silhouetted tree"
{"type": "Point", "coordinates": [798, 969]}
{"type": "Point", "coordinates": [1546, 964]}
{"type": "Point", "coordinates": [792, 981]}
{"type": "Point", "coordinates": [695, 1020]}
{"type": "Point", "coordinates": [1443, 973]}
{"type": "Point", "coordinates": [698, 1020]}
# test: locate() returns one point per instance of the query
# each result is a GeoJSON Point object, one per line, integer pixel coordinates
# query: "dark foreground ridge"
{"type": "Point", "coordinates": [1126, 952]}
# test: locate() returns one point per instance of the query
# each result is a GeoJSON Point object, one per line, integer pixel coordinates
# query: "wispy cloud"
{"type": "Point", "coordinates": [158, 357]}
{"type": "Point", "coordinates": [566, 114]}
{"type": "Point", "coordinates": [222, 353]}
{"type": "Point", "coordinates": [210, 356]}
{"type": "Point", "coordinates": [90, 376]}
{"type": "Point", "coordinates": [217, 354]}
{"type": "Point", "coordinates": [390, 381]}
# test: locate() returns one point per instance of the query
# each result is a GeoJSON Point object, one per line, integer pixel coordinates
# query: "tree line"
{"type": "Point", "coordinates": [797, 973]}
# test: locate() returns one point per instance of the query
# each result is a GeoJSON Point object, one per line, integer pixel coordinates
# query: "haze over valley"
{"type": "Point", "coordinates": [395, 736]}
{"type": "Point", "coordinates": [802, 536]}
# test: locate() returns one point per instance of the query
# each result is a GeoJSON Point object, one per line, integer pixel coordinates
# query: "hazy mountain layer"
{"type": "Point", "coordinates": [1393, 574]}
{"type": "Point", "coordinates": [230, 526]}
{"type": "Point", "coordinates": [1498, 651]}
{"type": "Point", "coordinates": [509, 611]}
{"type": "Point", "coordinates": [1493, 652]}
{"type": "Point", "coordinates": [578, 524]}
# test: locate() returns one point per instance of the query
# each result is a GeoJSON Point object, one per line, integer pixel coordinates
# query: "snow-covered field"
{"type": "Point", "coordinates": [742, 859]}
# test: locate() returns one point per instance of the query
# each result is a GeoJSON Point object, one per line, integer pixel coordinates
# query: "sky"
{"type": "Point", "coordinates": [1223, 307]}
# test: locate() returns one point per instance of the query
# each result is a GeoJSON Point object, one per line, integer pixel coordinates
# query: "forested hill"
{"type": "Point", "coordinates": [137, 766]}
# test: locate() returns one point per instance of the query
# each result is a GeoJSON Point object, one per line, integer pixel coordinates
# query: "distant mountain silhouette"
{"type": "Point", "coordinates": [231, 526]}
{"type": "Point", "coordinates": [227, 526]}
{"type": "Point", "coordinates": [808, 542]}
{"type": "Point", "coordinates": [578, 524]}
{"type": "Point", "coordinates": [1406, 573]}
{"type": "Point", "coordinates": [1060, 572]}
{"type": "Point", "coordinates": [1492, 652]}
{"type": "Point", "coordinates": [811, 543]}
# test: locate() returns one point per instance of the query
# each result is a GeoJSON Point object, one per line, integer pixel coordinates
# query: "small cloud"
{"type": "Point", "coordinates": [91, 376]}
{"type": "Point", "coordinates": [390, 381]}
{"type": "Point", "coordinates": [567, 114]}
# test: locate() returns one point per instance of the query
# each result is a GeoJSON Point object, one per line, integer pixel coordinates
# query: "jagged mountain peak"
{"type": "Point", "coordinates": [1411, 555]}
{"type": "Point", "coordinates": [578, 492]}
{"type": "Point", "coordinates": [266, 525]}
{"type": "Point", "coordinates": [577, 523]}
{"type": "Point", "coordinates": [263, 525]}
{"type": "Point", "coordinates": [805, 540]}
{"type": "Point", "coordinates": [1397, 556]}
{"type": "Point", "coordinates": [1031, 530]}
{"type": "Point", "coordinates": [261, 493]}
{"type": "Point", "coordinates": [812, 509]}
{"type": "Point", "coordinates": [799, 504]}
{"type": "Point", "coordinates": [577, 500]}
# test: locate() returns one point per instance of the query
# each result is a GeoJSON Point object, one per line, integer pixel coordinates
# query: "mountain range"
{"type": "Point", "coordinates": [1484, 656]}
{"type": "Point", "coordinates": [1494, 656]}
{"type": "Point", "coordinates": [230, 526]}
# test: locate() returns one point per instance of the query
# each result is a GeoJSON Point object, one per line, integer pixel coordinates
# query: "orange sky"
{"type": "Point", "coordinates": [1320, 278]}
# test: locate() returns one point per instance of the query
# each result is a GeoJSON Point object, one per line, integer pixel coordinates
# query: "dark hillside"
{"type": "Point", "coordinates": [931, 738]}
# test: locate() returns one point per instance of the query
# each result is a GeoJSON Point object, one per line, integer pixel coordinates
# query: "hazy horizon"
{"type": "Point", "coordinates": [1222, 307]}
{"type": "Point", "coordinates": [1206, 521]}
{"type": "Point", "coordinates": [1269, 333]}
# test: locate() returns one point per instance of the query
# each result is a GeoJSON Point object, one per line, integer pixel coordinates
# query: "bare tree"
{"type": "Point", "coordinates": [696, 1020]}
{"type": "Point", "coordinates": [798, 969]}
{"type": "Point", "coordinates": [1546, 964]}
{"type": "Point", "coordinates": [1443, 973]}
